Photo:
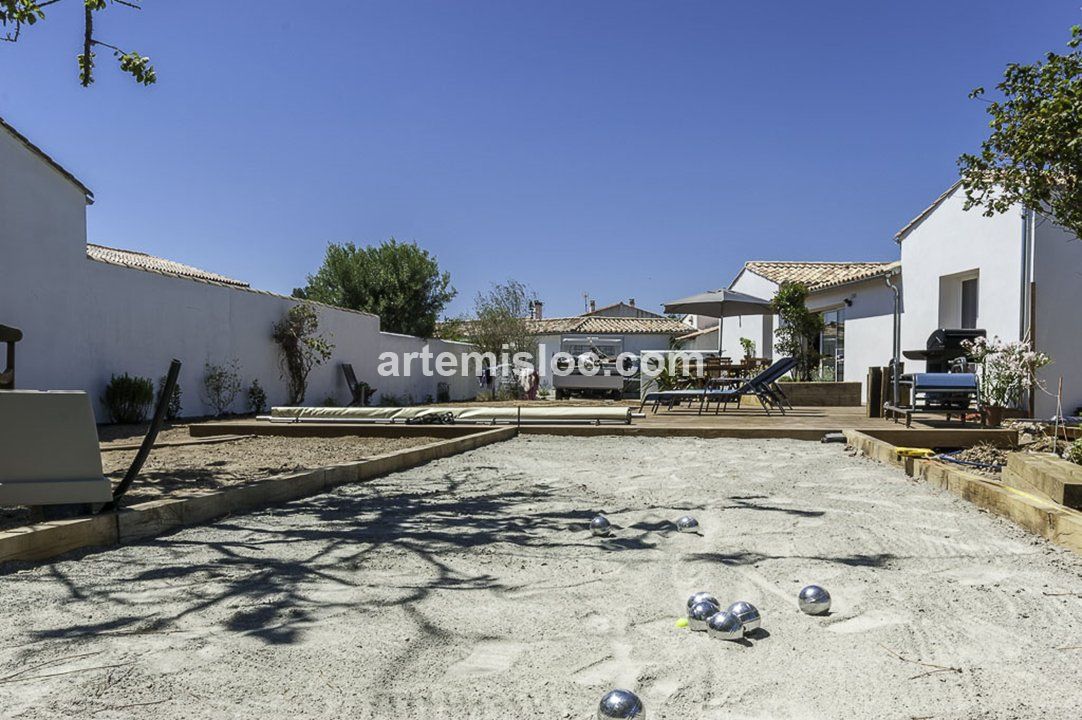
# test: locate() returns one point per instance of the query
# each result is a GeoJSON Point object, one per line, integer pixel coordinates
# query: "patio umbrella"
{"type": "Point", "coordinates": [720, 304]}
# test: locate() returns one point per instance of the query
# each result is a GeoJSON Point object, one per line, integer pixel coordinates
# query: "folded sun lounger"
{"type": "Point", "coordinates": [763, 386]}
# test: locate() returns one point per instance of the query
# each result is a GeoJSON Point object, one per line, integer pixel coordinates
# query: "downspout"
{"type": "Point", "coordinates": [1025, 301]}
{"type": "Point", "coordinates": [896, 350]}
{"type": "Point", "coordinates": [1024, 306]}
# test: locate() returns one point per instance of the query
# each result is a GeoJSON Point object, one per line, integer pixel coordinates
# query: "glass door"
{"type": "Point", "coordinates": [832, 346]}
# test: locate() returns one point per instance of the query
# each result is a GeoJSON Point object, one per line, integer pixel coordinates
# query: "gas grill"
{"type": "Point", "coordinates": [944, 349]}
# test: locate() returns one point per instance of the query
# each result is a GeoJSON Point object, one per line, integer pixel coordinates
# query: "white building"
{"type": "Point", "coordinates": [88, 312]}
{"type": "Point", "coordinates": [621, 309]}
{"type": "Point", "coordinates": [611, 335]}
{"type": "Point", "coordinates": [1016, 275]}
{"type": "Point", "coordinates": [856, 303]}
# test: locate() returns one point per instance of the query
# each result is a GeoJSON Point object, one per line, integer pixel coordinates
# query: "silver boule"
{"type": "Point", "coordinates": [687, 524]}
{"type": "Point", "coordinates": [725, 626]}
{"type": "Point", "coordinates": [621, 704]}
{"type": "Point", "coordinates": [814, 600]}
{"type": "Point", "coordinates": [700, 613]}
{"type": "Point", "coordinates": [748, 614]}
{"type": "Point", "coordinates": [600, 526]}
{"type": "Point", "coordinates": [702, 597]}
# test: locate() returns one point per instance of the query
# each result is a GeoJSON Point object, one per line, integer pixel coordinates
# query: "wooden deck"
{"type": "Point", "coordinates": [801, 423]}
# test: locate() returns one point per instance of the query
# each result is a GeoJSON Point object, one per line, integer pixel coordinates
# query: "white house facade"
{"type": "Point", "coordinates": [1017, 276]}
{"type": "Point", "coordinates": [854, 299]}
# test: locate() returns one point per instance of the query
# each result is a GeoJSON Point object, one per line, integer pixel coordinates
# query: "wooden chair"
{"type": "Point", "coordinates": [10, 336]}
{"type": "Point", "coordinates": [360, 392]}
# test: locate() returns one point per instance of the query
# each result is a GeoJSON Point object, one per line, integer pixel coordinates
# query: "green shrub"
{"type": "Point", "coordinates": [302, 348]}
{"type": "Point", "coordinates": [127, 398]}
{"type": "Point", "coordinates": [1074, 452]}
{"type": "Point", "coordinates": [257, 398]}
{"type": "Point", "coordinates": [172, 409]}
{"type": "Point", "coordinates": [221, 385]}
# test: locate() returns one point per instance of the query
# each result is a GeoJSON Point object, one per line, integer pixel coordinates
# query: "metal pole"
{"type": "Point", "coordinates": [897, 341]}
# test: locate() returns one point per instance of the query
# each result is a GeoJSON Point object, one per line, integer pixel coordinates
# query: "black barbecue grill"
{"type": "Point", "coordinates": [944, 348]}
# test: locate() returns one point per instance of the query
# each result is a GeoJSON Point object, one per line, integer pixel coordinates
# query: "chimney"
{"type": "Point", "coordinates": [593, 305]}
{"type": "Point", "coordinates": [631, 302]}
{"type": "Point", "coordinates": [537, 305]}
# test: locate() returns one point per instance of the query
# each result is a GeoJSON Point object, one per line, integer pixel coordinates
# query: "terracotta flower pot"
{"type": "Point", "coordinates": [993, 415]}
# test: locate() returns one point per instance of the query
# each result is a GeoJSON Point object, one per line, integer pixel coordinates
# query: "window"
{"type": "Point", "coordinates": [959, 300]}
{"type": "Point", "coordinates": [969, 303]}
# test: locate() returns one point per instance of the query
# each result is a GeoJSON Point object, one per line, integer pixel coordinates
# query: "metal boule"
{"type": "Point", "coordinates": [814, 600]}
{"type": "Point", "coordinates": [621, 704]}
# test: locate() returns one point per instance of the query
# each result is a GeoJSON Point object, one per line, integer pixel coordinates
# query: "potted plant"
{"type": "Point", "coordinates": [1007, 371]}
{"type": "Point", "coordinates": [749, 347]}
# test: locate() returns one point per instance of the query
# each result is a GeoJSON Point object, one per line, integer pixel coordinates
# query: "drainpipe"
{"type": "Point", "coordinates": [1025, 309]}
{"type": "Point", "coordinates": [1025, 300]}
{"type": "Point", "coordinates": [897, 341]}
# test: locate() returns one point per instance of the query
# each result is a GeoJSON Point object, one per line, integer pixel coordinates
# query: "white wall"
{"type": "Point", "coordinates": [759, 328]}
{"type": "Point", "coordinates": [418, 387]}
{"type": "Point", "coordinates": [1057, 272]}
{"type": "Point", "coordinates": [706, 343]}
{"type": "Point", "coordinates": [84, 320]}
{"type": "Point", "coordinates": [869, 324]}
{"type": "Point", "coordinates": [951, 241]}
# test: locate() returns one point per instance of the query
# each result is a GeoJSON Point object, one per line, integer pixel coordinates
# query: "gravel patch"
{"type": "Point", "coordinates": [471, 588]}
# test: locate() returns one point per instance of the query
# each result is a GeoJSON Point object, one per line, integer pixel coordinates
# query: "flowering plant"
{"type": "Point", "coordinates": [1008, 369]}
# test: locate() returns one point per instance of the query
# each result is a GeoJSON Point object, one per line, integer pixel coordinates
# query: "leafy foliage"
{"type": "Point", "coordinates": [501, 322]}
{"type": "Point", "coordinates": [127, 398]}
{"type": "Point", "coordinates": [1007, 369]}
{"type": "Point", "coordinates": [221, 385]}
{"type": "Point", "coordinates": [302, 348]}
{"type": "Point", "coordinates": [172, 408]}
{"type": "Point", "coordinates": [17, 14]}
{"type": "Point", "coordinates": [798, 336]}
{"type": "Point", "coordinates": [1033, 156]}
{"type": "Point", "coordinates": [748, 346]}
{"type": "Point", "coordinates": [257, 398]}
{"type": "Point", "coordinates": [400, 282]}
{"type": "Point", "coordinates": [1074, 452]}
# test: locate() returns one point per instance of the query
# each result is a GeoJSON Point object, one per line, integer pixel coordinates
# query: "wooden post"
{"type": "Point", "coordinates": [875, 392]}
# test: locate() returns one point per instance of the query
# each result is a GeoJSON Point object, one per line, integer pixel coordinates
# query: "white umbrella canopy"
{"type": "Point", "coordinates": [720, 304]}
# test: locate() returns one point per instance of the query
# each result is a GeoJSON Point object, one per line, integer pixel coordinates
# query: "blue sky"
{"type": "Point", "coordinates": [620, 148]}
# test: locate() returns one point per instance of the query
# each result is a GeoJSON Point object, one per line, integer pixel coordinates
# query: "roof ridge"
{"type": "Point", "coordinates": [48, 159]}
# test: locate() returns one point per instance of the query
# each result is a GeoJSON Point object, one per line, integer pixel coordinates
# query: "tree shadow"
{"type": "Point", "coordinates": [248, 568]}
{"type": "Point", "coordinates": [876, 560]}
{"type": "Point", "coordinates": [744, 503]}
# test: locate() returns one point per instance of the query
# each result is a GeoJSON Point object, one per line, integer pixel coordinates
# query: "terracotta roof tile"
{"type": "Point", "coordinates": [819, 275]}
{"type": "Point", "coordinates": [601, 325]}
{"type": "Point", "coordinates": [142, 261]}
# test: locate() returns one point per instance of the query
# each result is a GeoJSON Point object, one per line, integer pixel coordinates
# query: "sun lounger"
{"type": "Point", "coordinates": [949, 393]}
{"type": "Point", "coordinates": [763, 386]}
{"type": "Point", "coordinates": [9, 336]}
{"type": "Point", "coordinates": [359, 392]}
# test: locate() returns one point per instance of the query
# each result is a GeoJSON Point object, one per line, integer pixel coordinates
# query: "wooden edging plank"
{"type": "Point", "coordinates": [1035, 513]}
{"type": "Point", "coordinates": [47, 540]}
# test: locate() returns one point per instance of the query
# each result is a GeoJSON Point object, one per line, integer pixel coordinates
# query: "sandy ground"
{"type": "Point", "coordinates": [175, 471]}
{"type": "Point", "coordinates": [470, 588]}
{"type": "Point", "coordinates": [179, 471]}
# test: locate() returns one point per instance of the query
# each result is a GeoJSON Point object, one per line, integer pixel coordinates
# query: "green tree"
{"type": "Point", "coordinates": [798, 335]}
{"type": "Point", "coordinates": [1033, 156]}
{"type": "Point", "coordinates": [502, 319]}
{"type": "Point", "coordinates": [400, 282]}
{"type": "Point", "coordinates": [17, 15]}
